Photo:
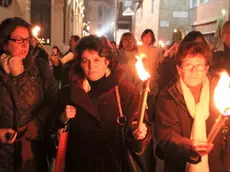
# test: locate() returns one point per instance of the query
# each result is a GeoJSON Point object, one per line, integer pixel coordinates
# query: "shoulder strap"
{"type": "Point", "coordinates": [121, 119]}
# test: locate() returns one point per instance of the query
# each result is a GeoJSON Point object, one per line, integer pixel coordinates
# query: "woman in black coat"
{"type": "Point", "coordinates": [95, 138]}
{"type": "Point", "coordinates": [26, 87]}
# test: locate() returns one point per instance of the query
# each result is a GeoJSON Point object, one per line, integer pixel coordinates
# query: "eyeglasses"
{"type": "Point", "coordinates": [20, 40]}
{"type": "Point", "coordinates": [189, 66]}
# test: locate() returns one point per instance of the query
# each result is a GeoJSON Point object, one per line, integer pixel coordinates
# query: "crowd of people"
{"type": "Point", "coordinates": [94, 91]}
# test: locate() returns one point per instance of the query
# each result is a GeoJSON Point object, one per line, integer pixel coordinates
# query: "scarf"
{"type": "Point", "coordinates": [199, 112]}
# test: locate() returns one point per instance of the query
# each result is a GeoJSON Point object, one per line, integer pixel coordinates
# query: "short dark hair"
{"type": "Point", "coordinates": [146, 31]}
{"type": "Point", "coordinates": [58, 50]}
{"type": "Point", "coordinates": [192, 36]}
{"type": "Point", "coordinates": [193, 48]}
{"type": "Point", "coordinates": [75, 37]}
{"type": "Point", "coordinates": [93, 42]}
{"type": "Point", "coordinates": [8, 26]}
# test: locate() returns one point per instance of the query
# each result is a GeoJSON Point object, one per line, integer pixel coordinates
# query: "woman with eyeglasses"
{"type": "Point", "coordinates": [185, 114]}
{"type": "Point", "coordinates": [27, 87]}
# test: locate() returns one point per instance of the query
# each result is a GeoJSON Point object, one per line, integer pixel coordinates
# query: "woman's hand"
{"type": "Point", "coordinates": [202, 148]}
{"type": "Point", "coordinates": [70, 112]}
{"type": "Point", "coordinates": [3, 135]}
{"type": "Point", "coordinates": [16, 66]}
{"type": "Point", "coordinates": [139, 134]}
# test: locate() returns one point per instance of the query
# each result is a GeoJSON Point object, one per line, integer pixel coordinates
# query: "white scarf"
{"type": "Point", "coordinates": [199, 112]}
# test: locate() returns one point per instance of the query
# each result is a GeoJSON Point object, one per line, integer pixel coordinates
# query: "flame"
{"type": "Point", "coordinates": [222, 94]}
{"type": "Point", "coordinates": [143, 74]}
{"type": "Point", "coordinates": [139, 43]}
{"type": "Point", "coordinates": [35, 31]}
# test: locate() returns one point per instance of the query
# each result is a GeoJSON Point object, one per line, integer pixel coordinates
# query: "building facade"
{"type": "Point", "coordinates": [100, 14]}
{"type": "Point", "coordinates": [167, 18]}
{"type": "Point", "coordinates": [58, 19]}
{"type": "Point", "coordinates": [208, 16]}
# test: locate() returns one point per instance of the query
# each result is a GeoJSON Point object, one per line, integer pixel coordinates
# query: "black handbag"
{"type": "Point", "coordinates": [132, 161]}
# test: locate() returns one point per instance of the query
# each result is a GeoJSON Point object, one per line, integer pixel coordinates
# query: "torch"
{"type": "Point", "coordinates": [144, 76]}
{"type": "Point", "coordinates": [35, 31]}
{"type": "Point", "coordinates": [222, 102]}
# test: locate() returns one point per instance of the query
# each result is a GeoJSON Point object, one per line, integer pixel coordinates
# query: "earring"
{"type": "Point", "coordinates": [107, 72]}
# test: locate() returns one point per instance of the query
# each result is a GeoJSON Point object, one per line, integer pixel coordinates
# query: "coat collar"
{"type": "Point", "coordinates": [89, 101]}
{"type": "Point", "coordinates": [176, 93]}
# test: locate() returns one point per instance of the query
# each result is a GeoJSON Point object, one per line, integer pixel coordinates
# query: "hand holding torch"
{"type": "Point", "coordinates": [222, 101]}
{"type": "Point", "coordinates": [144, 76]}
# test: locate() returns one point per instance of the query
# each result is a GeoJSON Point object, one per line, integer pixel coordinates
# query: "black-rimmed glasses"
{"type": "Point", "coordinates": [20, 40]}
{"type": "Point", "coordinates": [189, 66]}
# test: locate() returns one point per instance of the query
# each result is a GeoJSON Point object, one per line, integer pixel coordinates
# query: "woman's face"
{"type": "Point", "coordinates": [54, 51]}
{"type": "Point", "coordinates": [128, 43]}
{"type": "Point", "coordinates": [147, 39]}
{"type": "Point", "coordinates": [193, 70]}
{"type": "Point", "coordinates": [93, 66]}
{"type": "Point", "coordinates": [18, 42]}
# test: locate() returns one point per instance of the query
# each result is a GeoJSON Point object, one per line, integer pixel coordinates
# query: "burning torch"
{"type": "Point", "coordinates": [145, 77]}
{"type": "Point", "coordinates": [222, 102]}
{"type": "Point", "coordinates": [35, 31]}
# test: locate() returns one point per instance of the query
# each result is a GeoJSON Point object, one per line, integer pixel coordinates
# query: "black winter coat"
{"type": "Point", "coordinates": [24, 98]}
{"type": "Point", "coordinates": [221, 60]}
{"type": "Point", "coordinates": [94, 136]}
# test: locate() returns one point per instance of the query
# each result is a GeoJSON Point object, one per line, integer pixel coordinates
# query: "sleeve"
{"type": "Point", "coordinates": [131, 105]}
{"type": "Point", "coordinates": [168, 132]}
{"type": "Point", "coordinates": [50, 91]}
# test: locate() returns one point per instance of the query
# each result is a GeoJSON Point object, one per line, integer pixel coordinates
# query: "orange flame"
{"type": "Point", "coordinates": [222, 94]}
{"type": "Point", "coordinates": [35, 31]}
{"type": "Point", "coordinates": [143, 74]}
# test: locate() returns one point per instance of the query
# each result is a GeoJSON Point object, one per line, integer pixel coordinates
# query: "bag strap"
{"type": "Point", "coordinates": [121, 119]}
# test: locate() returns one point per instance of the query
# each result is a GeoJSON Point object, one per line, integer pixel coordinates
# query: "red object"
{"type": "Point", "coordinates": [60, 157]}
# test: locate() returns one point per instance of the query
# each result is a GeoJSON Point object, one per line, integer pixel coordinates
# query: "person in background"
{"type": "Point", "coordinates": [95, 137]}
{"type": "Point", "coordinates": [167, 69]}
{"type": "Point", "coordinates": [69, 55]}
{"type": "Point", "coordinates": [152, 58]}
{"type": "Point", "coordinates": [221, 59]}
{"type": "Point", "coordinates": [127, 56]}
{"type": "Point", "coordinates": [56, 52]}
{"type": "Point", "coordinates": [37, 51]}
{"type": "Point", "coordinates": [61, 67]}
{"type": "Point", "coordinates": [186, 112]}
{"type": "Point", "coordinates": [27, 89]}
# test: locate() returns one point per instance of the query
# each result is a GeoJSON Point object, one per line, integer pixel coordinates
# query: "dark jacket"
{"type": "Point", "coordinates": [167, 71]}
{"type": "Point", "coordinates": [94, 135]}
{"type": "Point", "coordinates": [221, 60]}
{"type": "Point", "coordinates": [173, 125]}
{"type": "Point", "coordinates": [25, 98]}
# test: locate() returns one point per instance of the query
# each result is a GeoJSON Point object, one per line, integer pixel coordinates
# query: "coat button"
{"type": "Point", "coordinates": [105, 102]}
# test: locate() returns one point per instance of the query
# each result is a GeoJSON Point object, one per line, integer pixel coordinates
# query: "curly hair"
{"type": "Point", "coordinates": [8, 26]}
{"type": "Point", "coordinates": [95, 43]}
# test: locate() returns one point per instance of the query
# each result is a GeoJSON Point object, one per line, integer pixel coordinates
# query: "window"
{"type": "Point", "coordinates": [153, 5]}
{"type": "Point", "coordinates": [100, 12]}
